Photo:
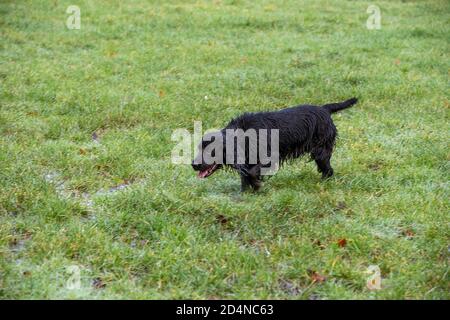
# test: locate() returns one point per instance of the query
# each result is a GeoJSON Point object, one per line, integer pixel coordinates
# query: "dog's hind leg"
{"type": "Point", "coordinates": [322, 158]}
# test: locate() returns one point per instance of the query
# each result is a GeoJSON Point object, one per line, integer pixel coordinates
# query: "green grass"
{"type": "Point", "coordinates": [137, 70]}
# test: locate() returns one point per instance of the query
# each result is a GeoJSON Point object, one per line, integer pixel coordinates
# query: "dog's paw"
{"type": "Point", "coordinates": [327, 175]}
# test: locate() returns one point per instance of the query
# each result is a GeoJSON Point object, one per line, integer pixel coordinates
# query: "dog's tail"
{"type": "Point", "coordinates": [335, 107]}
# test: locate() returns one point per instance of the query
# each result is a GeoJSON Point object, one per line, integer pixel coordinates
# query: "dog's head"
{"type": "Point", "coordinates": [211, 153]}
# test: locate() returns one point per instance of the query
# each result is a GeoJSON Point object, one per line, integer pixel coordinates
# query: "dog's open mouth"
{"type": "Point", "coordinates": [208, 171]}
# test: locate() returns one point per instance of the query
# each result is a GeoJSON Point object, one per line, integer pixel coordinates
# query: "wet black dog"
{"type": "Point", "coordinates": [302, 129]}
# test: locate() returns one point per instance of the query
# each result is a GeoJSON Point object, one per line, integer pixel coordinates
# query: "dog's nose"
{"type": "Point", "coordinates": [195, 166]}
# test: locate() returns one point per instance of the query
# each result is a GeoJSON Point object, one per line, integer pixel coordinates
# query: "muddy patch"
{"type": "Point", "coordinates": [289, 287]}
{"type": "Point", "coordinates": [17, 245]}
{"type": "Point", "coordinates": [86, 199]}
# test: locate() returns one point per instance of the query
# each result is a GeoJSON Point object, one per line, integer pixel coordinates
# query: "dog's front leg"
{"type": "Point", "coordinates": [245, 183]}
{"type": "Point", "coordinates": [250, 177]}
{"type": "Point", "coordinates": [250, 181]}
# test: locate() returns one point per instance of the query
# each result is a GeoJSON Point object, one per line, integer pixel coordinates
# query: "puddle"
{"type": "Point", "coordinates": [85, 198]}
{"type": "Point", "coordinates": [113, 190]}
{"type": "Point", "coordinates": [54, 178]}
{"type": "Point", "coordinates": [385, 232]}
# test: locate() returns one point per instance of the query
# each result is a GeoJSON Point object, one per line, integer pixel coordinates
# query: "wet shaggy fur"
{"type": "Point", "coordinates": [302, 129]}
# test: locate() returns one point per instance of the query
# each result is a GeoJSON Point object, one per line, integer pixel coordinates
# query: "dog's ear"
{"type": "Point", "coordinates": [212, 147]}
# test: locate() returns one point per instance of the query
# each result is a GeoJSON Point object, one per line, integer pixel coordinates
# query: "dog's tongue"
{"type": "Point", "coordinates": [202, 174]}
{"type": "Point", "coordinates": [207, 172]}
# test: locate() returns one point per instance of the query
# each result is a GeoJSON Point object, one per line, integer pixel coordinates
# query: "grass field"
{"type": "Point", "coordinates": [86, 181]}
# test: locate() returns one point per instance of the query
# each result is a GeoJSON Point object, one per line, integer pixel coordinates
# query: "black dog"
{"type": "Point", "coordinates": [301, 129]}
